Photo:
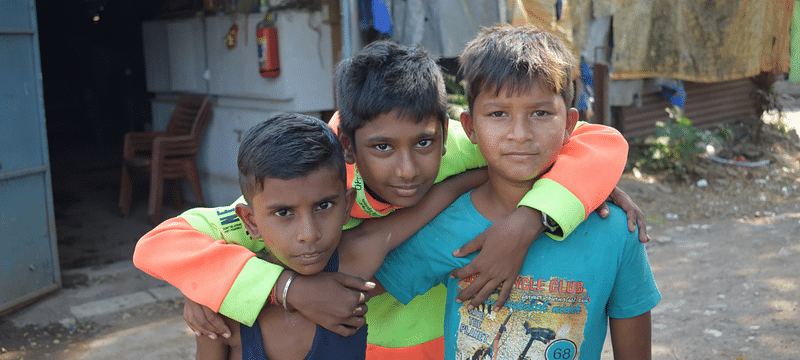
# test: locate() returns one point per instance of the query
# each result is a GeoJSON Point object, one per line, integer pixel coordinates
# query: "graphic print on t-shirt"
{"type": "Point", "coordinates": [543, 319]}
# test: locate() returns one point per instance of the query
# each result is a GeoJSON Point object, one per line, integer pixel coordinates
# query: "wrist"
{"type": "Point", "coordinates": [550, 225]}
{"type": "Point", "coordinates": [530, 220]}
{"type": "Point", "coordinates": [280, 290]}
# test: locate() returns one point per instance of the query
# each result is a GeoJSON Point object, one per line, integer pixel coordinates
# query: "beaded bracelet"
{"type": "Point", "coordinates": [286, 290]}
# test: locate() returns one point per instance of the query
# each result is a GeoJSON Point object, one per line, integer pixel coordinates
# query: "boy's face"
{"type": "Point", "coordinates": [519, 134]}
{"type": "Point", "coordinates": [398, 158]}
{"type": "Point", "coordinates": [299, 219]}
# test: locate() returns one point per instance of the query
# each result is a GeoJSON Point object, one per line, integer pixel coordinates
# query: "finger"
{"type": "Point", "coordinates": [470, 247]}
{"type": "Point", "coordinates": [213, 323]}
{"type": "Point", "coordinates": [220, 327]}
{"type": "Point", "coordinates": [632, 220]}
{"type": "Point", "coordinates": [466, 271]}
{"type": "Point", "coordinates": [504, 294]}
{"type": "Point", "coordinates": [206, 329]}
{"type": "Point", "coordinates": [643, 235]}
{"type": "Point", "coordinates": [602, 210]}
{"type": "Point", "coordinates": [361, 310]}
{"type": "Point", "coordinates": [194, 330]}
{"type": "Point", "coordinates": [472, 289]}
{"type": "Point", "coordinates": [342, 330]}
{"type": "Point", "coordinates": [189, 319]}
{"type": "Point", "coordinates": [483, 294]}
{"type": "Point", "coordinates": [354, 323]}
{"type": "Point", "coordinates": [354, 282]}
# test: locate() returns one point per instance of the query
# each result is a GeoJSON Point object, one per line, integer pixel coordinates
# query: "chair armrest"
{"type": "Point", "coordinates": [139, 141]}
{"type": "Point", "coordinates": [184, 145]}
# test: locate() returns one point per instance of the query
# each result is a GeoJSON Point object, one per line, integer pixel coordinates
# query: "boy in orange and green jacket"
{"type": "Point", "coordinates": [398, 142]}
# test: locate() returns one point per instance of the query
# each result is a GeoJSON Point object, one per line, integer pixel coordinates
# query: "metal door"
{"type": "Point", "coordinates": [28, 252]}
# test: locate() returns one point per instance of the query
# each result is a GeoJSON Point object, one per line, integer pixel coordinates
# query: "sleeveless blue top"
{"type": "Point", "coordinates": [327, 345]}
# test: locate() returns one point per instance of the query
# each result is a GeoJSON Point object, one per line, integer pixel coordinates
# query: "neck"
{"type": "Point", "coordinates": [498, 198]}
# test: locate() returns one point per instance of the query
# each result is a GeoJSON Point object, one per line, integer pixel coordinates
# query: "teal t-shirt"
{"type": "Point", "coordinates": [561, 302]}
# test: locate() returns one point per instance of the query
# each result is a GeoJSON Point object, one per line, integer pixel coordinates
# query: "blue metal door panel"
{"type": "Point", "coordinates": [28, 252]}
{"type": "Point", "coordinates": [15, 14]}
{"type": "Point", "coordinates": [26, 264]}
{"type": "Point", "coordinates": [18, 105]}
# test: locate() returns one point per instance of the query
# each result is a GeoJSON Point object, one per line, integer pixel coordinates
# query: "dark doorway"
{"type": "Point", "coordinates": [94, 92]}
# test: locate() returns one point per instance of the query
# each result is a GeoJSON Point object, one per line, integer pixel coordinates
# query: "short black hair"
{"type": "Point", "coordinates": [287, 146]}
{"type": "Point", "coordinates": [516, 57]}
{"type": "Point", "coordinates": [386, 76]}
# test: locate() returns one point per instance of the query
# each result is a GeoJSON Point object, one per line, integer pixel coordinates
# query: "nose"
{"type": "Point", "coordinates": [308, 229]}
{"type": "Point", "coordinates": [521, 129]}
{"type": "Point", "coordinates": [406, 167]}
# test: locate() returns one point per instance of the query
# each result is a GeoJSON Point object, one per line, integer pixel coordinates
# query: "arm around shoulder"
{"type": "Point", "coordinates": [192, 260]}
{"type": "Point", "coordinates": [596, 152]}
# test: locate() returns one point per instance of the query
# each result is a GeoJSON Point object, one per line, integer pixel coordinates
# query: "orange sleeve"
{"type": "Point", "coordinates": [590, 164]}
{"type": "Point", "coordinates": [202, 268]}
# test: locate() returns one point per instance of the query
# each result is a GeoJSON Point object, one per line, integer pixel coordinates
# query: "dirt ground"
{"type": "Point", "coordinates": [724, 253]}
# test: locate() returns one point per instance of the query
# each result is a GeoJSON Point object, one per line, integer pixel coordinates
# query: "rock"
{"type": "Point", "coordinates": [671, 216]}
{"type": "Point", "coordinates": [663, 188]}
{"type": "Point", "coordinates": [663, 239]}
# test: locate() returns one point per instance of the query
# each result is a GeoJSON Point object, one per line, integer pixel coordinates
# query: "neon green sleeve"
{"type": "Point", "coordinates": [250, 291]}
{"type": "Point", "coordinates": [461, 154]}
{"type": "Point", "coordinates": [221, 223]}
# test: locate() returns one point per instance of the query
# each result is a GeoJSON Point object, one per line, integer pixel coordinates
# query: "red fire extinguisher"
{"type": "Point", "coordinates": [267, 41]}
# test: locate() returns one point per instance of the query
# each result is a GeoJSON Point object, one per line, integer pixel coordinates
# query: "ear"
{"type": "Point", "coordinates": [347, 144]}
{"type": "Point", "coordinates": [572, 120]}
{"type": "Point", "coordinates": [350, 199]}
{"type": "Point", "coordinates": [444, 135]}
{"type": "Point", "coordinates": [245, 212]}
{"type": "Point", "coordinates": [469, 126]}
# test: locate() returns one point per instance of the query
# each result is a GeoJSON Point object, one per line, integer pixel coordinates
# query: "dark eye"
{"type": "Point", "coordinates": [282, 213]}
{"type": "Point", "coordinates": [325, 205]}
{"type": "Point", "coordinates": [497, 113]}
{"type": "Point", "coordinates": [540, 113]}
{"type": "Point", "coordinates": [382, 147]}
{"type": "Point", "coordinates": [425, 143]}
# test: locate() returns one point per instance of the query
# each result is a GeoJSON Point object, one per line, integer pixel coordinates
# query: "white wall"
{"type": "Point", "coordinates": [190, 56]}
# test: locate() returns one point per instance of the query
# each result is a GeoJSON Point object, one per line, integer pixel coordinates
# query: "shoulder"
{"type": "Point", "coordinates": [611, 230]}
{"type": "Point", "coordinates": [460, 214]}
{"type": "Point", "coordinates": [616, 220]}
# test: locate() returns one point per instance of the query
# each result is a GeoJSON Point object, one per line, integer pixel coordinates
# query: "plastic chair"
{"type": "Point", "coordinates": [166, 155]}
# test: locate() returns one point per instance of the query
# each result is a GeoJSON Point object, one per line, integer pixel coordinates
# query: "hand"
{"type": "Point", "coordinates": [204, 321]}
{"type": "Point", "coordinates": [635, 215]}
{"type": "Point", "coordinates": [500, 261]}
{"type": "Point", "coordinates": [335, 301]}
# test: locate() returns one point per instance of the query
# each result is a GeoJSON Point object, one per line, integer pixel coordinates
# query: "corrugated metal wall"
{"type": "Point", "coordinates": [707, 104]}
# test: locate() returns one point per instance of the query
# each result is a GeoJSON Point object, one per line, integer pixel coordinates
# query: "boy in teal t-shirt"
{"type": "Point", "coordinates": [518, 87]}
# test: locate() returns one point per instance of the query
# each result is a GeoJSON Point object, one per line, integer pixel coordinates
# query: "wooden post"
{"type": "Point", "coordinates": [601, 108]}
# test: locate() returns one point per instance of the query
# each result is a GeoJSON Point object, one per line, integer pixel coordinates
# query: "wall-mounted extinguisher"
{"type": "Point", "coordinates": [267, 41]}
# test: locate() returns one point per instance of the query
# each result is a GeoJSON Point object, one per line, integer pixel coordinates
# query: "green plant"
{"type": "Point", "coordinates": [676, 145]}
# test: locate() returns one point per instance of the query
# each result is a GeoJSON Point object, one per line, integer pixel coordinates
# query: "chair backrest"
{"type": "Point", "coordinates": [190, 117]}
